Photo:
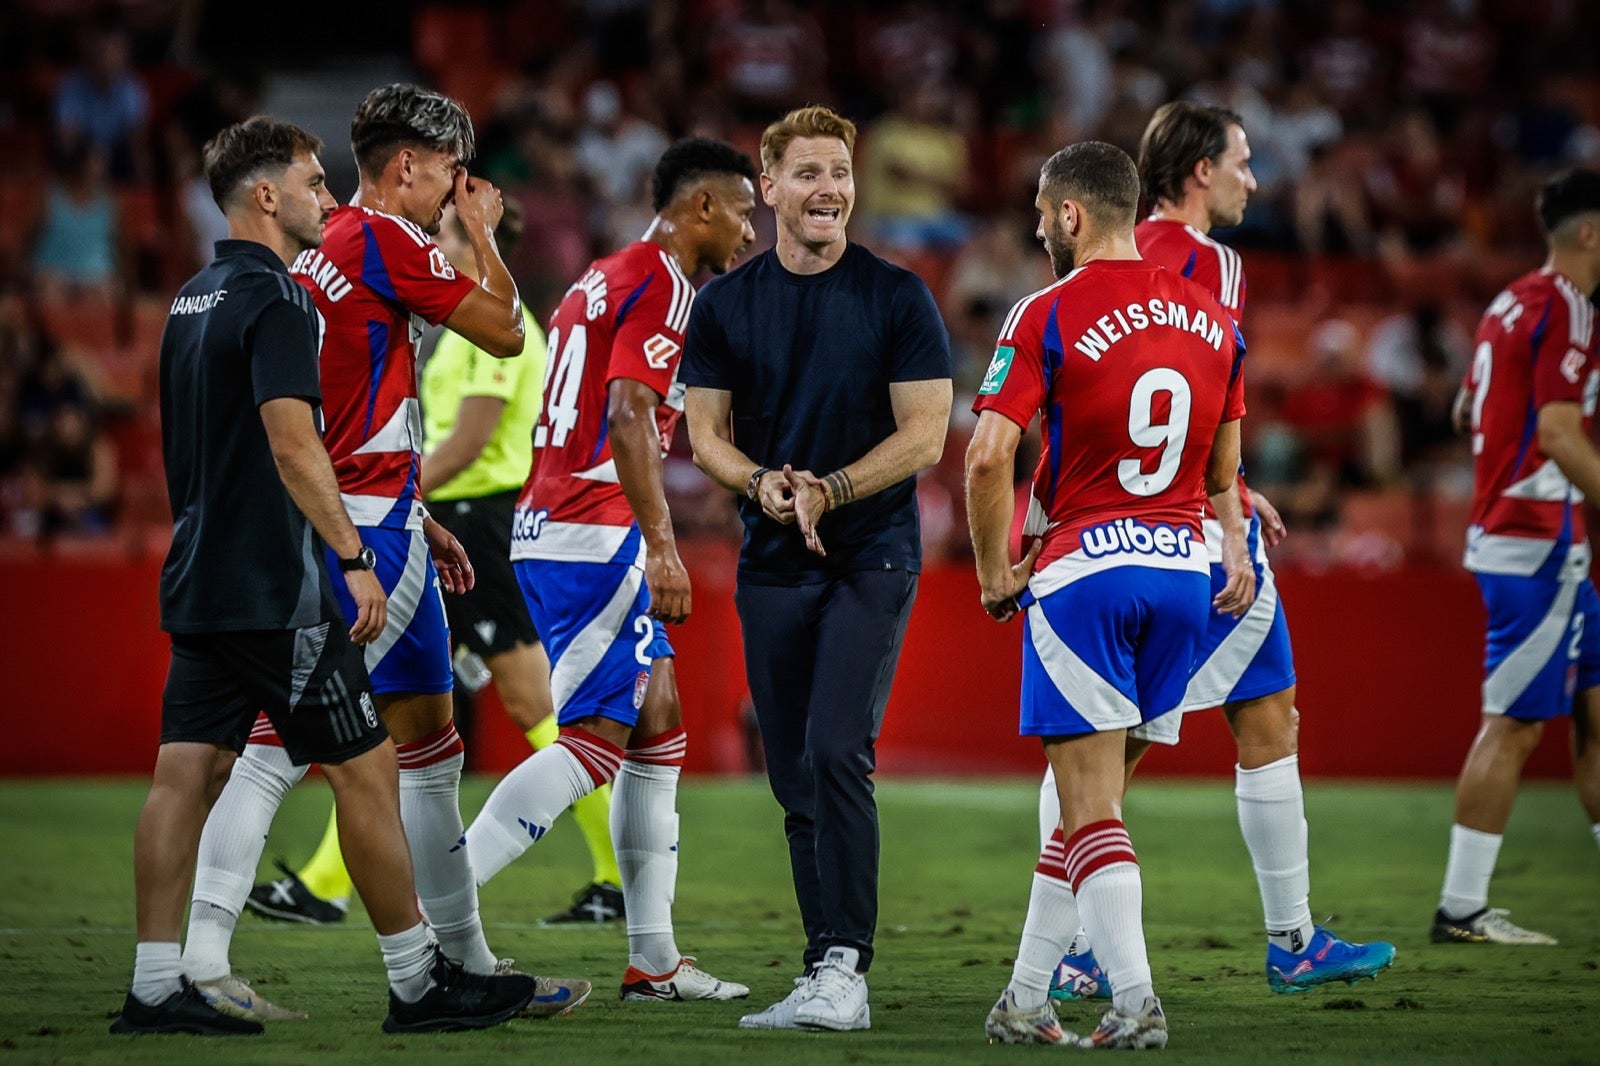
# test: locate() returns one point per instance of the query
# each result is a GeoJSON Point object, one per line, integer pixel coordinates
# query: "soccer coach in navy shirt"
{"type": "Point", "coordinates": [818, 386]}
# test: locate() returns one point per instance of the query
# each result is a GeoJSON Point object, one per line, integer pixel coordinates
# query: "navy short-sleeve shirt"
{"type": "Point", "coordinates": [809, 359]}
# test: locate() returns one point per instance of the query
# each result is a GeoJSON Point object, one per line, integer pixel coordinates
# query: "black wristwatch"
{"type": "Point", "coordinates": [365, 559]}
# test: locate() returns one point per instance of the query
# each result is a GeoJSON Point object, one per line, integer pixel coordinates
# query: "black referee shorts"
{"type": "Point", "coordinates": [493, 617]}
{"type": "Point", "coordinates": [311, 682]}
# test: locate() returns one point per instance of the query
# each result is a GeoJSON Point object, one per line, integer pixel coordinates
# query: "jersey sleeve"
{"type": "Point", "coordinates": [282, 342]}
{"type": "Point", "coordinates": [921, 344]}
{"type": "Point", "coordinates": [650, 322]}
{"type": "Point", "coordinates": [1015, 383]}
{"type": "Point", "coordinates": [1565, 355]}
{"type": "Point", "coordinates": [410, 269]}
{"type": "Point", "coordinates": [705, 349]}
{"type": "Point", "coordinates": [1233, 405]}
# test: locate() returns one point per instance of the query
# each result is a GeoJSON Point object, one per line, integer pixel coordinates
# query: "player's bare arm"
{"type": "Point", "coordinates": [491, 315]}
{"type": "Point", "coordinates": [475, 423]}
{"type": "Point", "coordinates": [921, 417]}
{"type": "Point", "coordinates": [307, 474]}
{"type": "Point", "coordinates": [1461, 411]}
{"type": "Point", "coordinates": [636, 447]}
{"type": "Point", "coordinates": [1273, 528]}
{"type": "Point", "coordinates": [449, 558]}
{"type": "Point", "coordinates": [709, 415]}
{"type": "Point", "coordinates": [991, 459]}
{"type": "Point", "coordinates": [1222, 487]}
{"type": "Point", "coordinates": [1562, 438]}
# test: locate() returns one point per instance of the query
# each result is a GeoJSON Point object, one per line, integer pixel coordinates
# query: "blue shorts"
{"type": "Point", "coordinates": [1543, 645]}
{"type": "Point", "coordinates": [1111, 649]}
{"type": "Point", "coordinates": [413, 654]}
{"type": "Point", "coordinates": [594, 618]}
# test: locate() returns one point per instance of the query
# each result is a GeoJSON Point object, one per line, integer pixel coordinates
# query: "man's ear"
{"type": "Point", "coordinates": [1202, 172]}
{"type": "Point", "coordinates": [405, 160]}
{"type": "Point", "coordinates": [265, 195]}
{"type": "Point", "coordinates": [704, 204]}
{"type": "Point", "coordinates": [766, 188]}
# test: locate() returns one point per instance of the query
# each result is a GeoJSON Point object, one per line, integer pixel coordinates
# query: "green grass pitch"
{"type": "Point", "coordinates": [957, 858]}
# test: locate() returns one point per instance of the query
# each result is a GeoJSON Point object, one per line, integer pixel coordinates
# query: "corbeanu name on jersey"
{"type": "Point", "coordinates": [316, 266]}
{"type": "Point", "coordinates": [1133, 536]}
{"type": "Point", "coordinates": [1111, 328]}
{"type": "Point", "coordinates": [194, 305]}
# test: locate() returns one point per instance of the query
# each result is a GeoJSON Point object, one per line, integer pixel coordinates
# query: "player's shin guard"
{"type": "Point", "coordinates": [230, 850]}
{"type": "Point", "coordinates": [527, 801]}
{"type": "Point", "coordinates": [1272, 817]}
{"type": "Point", "coordinates": [644, 825]}
{"type": "Point", "coordinates": [430, 811]}
{"type": "Point", "coordinates": [1104, 874]}
{"type": "Point", "coordinates": [1052, 919]}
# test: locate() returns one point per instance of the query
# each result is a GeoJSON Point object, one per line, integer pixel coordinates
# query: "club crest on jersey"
{"type": "Point", "coordinates": [440, 265]}
{"type": "Point", "coordinates": [641, 685]}
{"type": "Point", "coordinates": [999, 370]}
{"type": "Point", "coordinates": [658, 351]}
{"type": "Point", "coordinates": [1131, 536]}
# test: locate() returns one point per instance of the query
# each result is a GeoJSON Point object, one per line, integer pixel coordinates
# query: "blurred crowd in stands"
{"type": "Point", "coordinates": [1397, 147]}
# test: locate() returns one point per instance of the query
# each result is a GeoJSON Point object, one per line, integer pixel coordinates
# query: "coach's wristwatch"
{"type": "Point", "coordinates": [752, 488]}
{"type": "Point", "coordinates": [365, 559]}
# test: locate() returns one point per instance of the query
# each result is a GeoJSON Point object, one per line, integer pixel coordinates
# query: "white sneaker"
{"type": "Point", "coordinates": [231, 994]}
{"type": "Point", "coordinates": [685, 982]}
{"type": "Point", "coordinates": [1132, 1032]}
{"type": "Point", "coordinates": [1009, 1024]}
{"type": "Point", "coordinates": [781, 1014]}
{"type": "Point", "coordinates": [838, 999]}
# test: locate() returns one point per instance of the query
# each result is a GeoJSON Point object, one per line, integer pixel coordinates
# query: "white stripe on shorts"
{"type": "Point", "coordinates": [1219, 675]}
{"type": "Point", "coordinates": [403, 600]}
{"type": "Point", "coordinates": [580, 658]}
{"type": "Point", "coordinates": [1092, 696]}
{"type": "Point", "coordinates": [1517, 670]}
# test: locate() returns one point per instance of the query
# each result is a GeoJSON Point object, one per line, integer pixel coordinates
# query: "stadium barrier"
{"type": "Point", "coordinates": [1388, 664]}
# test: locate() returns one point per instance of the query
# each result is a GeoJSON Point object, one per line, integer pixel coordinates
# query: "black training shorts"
{"type": "Point", "coordinates": [493, 617]}
{"type": "Point", "coordinates": [311, 683]}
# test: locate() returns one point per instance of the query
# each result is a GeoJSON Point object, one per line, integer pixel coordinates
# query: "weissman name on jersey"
{"type": "Point", "coordinates": [1109, 329]}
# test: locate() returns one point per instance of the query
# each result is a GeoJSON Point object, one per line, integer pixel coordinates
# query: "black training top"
{"type": "Point", "coordinates": [809, 359]}
{"type": "Point", "coordinates": [240, 333]}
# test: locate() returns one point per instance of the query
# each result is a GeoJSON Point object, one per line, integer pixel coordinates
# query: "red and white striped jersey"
{"type": "Point", "coordinates": [624, 318]}
{"type": "Point", "coordinates": [1214, 266]}
{"type": "Point", "coordinates": [1535, 346]}
{"type": "Point", "coordinates": [1131, 369]}
{"type": "Point", "coordinates": [377, 280]}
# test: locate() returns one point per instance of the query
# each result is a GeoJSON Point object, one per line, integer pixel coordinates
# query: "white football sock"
{"type": "Point", "coordinates": [528, 800]}
{"type": "Point", "coordinates": [1272, 817]}
{"type": "Point", "coordinates": [408, 957]}
{"type": "Point", "coordinates": [157, 966]}
{"type": "Point", "coordinates": [1467, 871]}
{"type": "Point", "coordinates": [644, 828]}
{"type": "Point", "coordinates": [205, 952]}
{"type": "Point", "coordinates": [1052, 915]}
{"type": "Point", "coordinates": [430, 811]}
{"type": "Point", "coordinates": [1104, 874]}
{"type": "Point", "coordinates": [1049, 808]}
{"type": "Point", "coordinates": [230, 850]}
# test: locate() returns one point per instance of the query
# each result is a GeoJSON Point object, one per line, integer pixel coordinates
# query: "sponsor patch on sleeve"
{"type": "Point", "coordinates": [999, 368]}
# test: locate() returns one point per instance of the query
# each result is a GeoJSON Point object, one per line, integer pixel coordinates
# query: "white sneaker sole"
{"type": "Point", "coordinates": [863, 1020]}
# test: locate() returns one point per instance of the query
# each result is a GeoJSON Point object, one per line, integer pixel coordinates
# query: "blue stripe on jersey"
{"type": "Point", "coordinates": [401, 511]}
{"type": "Point", "coordinates": [373, 272]}
{"type": "Point", "coordinates": [633, 298]}
{"type": "Point", "coordinates": [1530, 421]}
{"type": "Point", "coordinates": [1238, 355]}
{"type": "Point", "coordinates": [377, 354]}
{"type": "Point", "coordinates": [1053, 418]}
{"type": "Point", "coordinates": [1194, 259]}
{"type": "Point", "coordinates": [605, 431]}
